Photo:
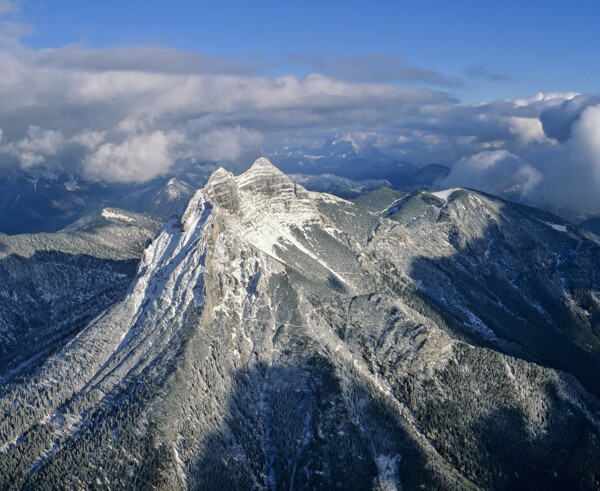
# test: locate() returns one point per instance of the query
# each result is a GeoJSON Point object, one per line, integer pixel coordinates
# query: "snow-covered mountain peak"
{"type": "Point", "coordinates": [261, 206]}
{"type": "Point", "coordinates": [221, 189]}
{"type": "Point", "coordinates": [264, 164]}
{"type": "Point", "coordinates": [445, 194]}
{"type": "Point", "coordinates": [219, 175]}
{"type": "Point", "coordinates": [263, 177]}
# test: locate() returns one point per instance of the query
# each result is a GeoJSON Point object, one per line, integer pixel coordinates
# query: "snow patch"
{"type": "Point", "coordinates": [106, 213]}
{"type": "Point", "coordinates": [559, 228]}
{"type": "Point", "coordinates": [394, 207]}
{"type": "Point", "coordinates": [479, 326]}
{"type": "Point", "coordinates": [446, 193]}
{"type": "Point", "coordinates": [387, 466]}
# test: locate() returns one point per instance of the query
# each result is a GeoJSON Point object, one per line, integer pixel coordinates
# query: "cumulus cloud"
{"type": "Point", "coordinates": [11, 31]}
{"type": "Point", "coordinates": [586, 139]}
{"type": "Point", "coordinates": [557, 120]}
{"type": "Point", "coordinates": [571, 171]}
{"type": "Point", "coordinates": [564, 177]}
{"type": "Point", "coordinates": [584, 149]}
{"type": "Point", "coordinates": [227, 143]}
{"type": "Point", "coordinates": [5, 7]}
{"type": "Point", "coordinates": [527, 130]}
{"type": "Point", "coordinates": [35, 147]}
{"type": "Point", "coordinates": [8, 7]}
{"type": "Point", "coordinates": [138, 158]}
{"type": "Point", "coordinates": [495, 171]}
{"type": "Point", "coordinates": [89, 140]}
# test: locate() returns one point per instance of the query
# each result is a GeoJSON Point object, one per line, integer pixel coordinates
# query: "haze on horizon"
{"type": "Point", "coordinates": [504, 93]}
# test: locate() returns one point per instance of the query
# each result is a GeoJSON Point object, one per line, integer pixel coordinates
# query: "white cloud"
{"type": "Point", "coordinates": [107, 108]}
{"type": "Point", "coordinates": [6, 6]}
{"type": "Point", "coordinates": [227, 143]}
{"type": "Point", "coordinates": [494, 171]}
{"type": "Point", "coordinates": [11, 31]}
{"type": "Point", "coordinates": [585, 143]}
{"type": "Point", "coordinates": [548, 97]}
{"type": "Point", "coordinates": [558, 119]}
{"type": "Point", "coordinates": [91, 140]}
{"type": "Point", "coordinates": [562, 177]}
{"type": "Point", "coordinates": [138, 158]}
{"type": "Point", "coordinates": [572, 176]}
{"type": "Point", "coordinates": [527, 130]}
{"type": "Point", "coordinates": [35, 147]}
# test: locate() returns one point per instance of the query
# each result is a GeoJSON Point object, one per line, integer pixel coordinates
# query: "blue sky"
{"type": "Point", "coordinates": [531, 46]}
{"type": "Point", "coordinates": [505, 93]}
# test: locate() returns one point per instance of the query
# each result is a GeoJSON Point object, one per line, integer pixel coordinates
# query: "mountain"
{"type": "Point", "coordinates": [163, 200]}
{"type": "Point", "coordinates": [35, 200]}
{"type": "Point", "coordinates": [347, 149]}
{"type": "Point", "coordinates": [345, 159]}
{"type": "Point", "coordinates": [53, 284]}
{"type": "Point", "coordinates": [403, 176]}
{"type": "Point", "coordinates": [278, 338]}
{"type": "Point", "coordinates": [334, 150]}
{"type": "Point", "coordinates": [338, 186]}
{"type": "Point", "coordinates": [44, 200]}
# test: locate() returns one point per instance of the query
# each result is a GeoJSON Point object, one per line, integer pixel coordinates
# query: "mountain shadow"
{"type": "Point", "coordinates": [520, 287]}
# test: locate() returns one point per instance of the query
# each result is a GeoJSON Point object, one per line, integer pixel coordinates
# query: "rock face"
{"type": "Point", "coordinates": [275, 338]}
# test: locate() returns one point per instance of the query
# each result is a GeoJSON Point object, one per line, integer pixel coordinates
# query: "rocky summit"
{"type": "Point", "coordinates": [275, 338]}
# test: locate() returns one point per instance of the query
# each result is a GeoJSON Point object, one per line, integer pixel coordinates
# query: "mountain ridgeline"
{"type": "Point", "coordinates": [46, 199]}
{"type": "Point", "coordinates": [276, 338]}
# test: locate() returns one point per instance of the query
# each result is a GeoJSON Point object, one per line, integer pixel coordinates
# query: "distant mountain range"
{"type": "Point", "coordinates": [274, 338]}
{"type": "Point", "coordinates": [343, 158]}
{"type": "Point", "coordinates": [40, 199]}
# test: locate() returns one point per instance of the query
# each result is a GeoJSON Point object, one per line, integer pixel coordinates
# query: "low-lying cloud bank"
{"type": "Point", "coordinates": [557, 167]}
{"type": "Point", "coordinates": [130, 114]}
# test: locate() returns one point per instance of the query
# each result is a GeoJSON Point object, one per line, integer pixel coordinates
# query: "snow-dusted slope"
{"type": "Point", "coordinates": [277, 338]}
{"type": "Point", "coordinates": [51, 285]}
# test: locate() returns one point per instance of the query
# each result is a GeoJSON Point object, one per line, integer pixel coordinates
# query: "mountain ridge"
{"type": "Point", "coordinates": [275, 336]}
